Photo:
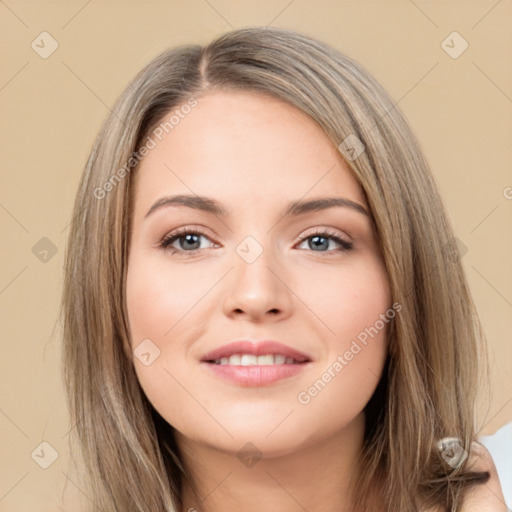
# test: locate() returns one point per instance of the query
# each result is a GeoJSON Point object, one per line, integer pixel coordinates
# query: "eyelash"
{"type": "Point", "coordinates": [167, 240]}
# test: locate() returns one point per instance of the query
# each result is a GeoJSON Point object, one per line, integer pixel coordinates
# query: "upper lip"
{"type": "Point", "coordinates": [257, 348]}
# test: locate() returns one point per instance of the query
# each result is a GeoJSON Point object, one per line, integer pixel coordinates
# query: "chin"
{"type": "Point", "coordinates": [271, 436]}
{"type": "Point", "coordinates": [248, 443]}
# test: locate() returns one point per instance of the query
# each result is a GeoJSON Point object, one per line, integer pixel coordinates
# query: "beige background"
{"type": "Point", "coordinates": [460, 109]}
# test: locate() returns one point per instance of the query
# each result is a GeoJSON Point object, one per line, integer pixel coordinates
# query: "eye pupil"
{"type": "Point", "coordinates": [315, 239]}
{"type": "Point", "coordinates": [189, 239]}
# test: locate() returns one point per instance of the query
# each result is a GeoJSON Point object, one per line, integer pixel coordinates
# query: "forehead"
{"type": "Point", "coordinates": [239, 145]}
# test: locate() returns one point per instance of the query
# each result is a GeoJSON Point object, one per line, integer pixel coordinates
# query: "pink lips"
{"type": "Point", "coordinates": [255, 375]}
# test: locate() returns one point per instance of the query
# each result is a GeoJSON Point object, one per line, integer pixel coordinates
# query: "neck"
{"type": "Point", "coordinates": [315, 478]}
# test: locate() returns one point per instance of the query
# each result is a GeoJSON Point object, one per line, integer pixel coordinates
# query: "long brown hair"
{"type": "Point", "coordinates": [437, 359]}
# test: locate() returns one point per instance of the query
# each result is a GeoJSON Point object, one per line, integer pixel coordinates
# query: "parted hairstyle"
{"type": "Point", "coordinates": [437, 358]}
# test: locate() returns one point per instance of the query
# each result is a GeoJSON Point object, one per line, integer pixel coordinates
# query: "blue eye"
{"type": "Point", "coordinates": [321, 240]}
{"type": "Point", "coordinates": [189, 241]}
{"type": "Point", "coordinates": [188, 236]}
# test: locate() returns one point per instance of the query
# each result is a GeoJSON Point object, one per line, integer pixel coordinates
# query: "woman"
{"type": "Point", "coordinates": [316, 348]}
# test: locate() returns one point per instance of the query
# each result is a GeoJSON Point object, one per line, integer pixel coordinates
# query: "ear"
{"type": "Point", "coordinates": [486, 497]}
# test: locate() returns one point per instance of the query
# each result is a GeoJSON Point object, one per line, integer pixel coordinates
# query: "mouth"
{"type": "Point", "coordinates": [255, 364]}
{"type": "Point", "coordinates": [253, 360]}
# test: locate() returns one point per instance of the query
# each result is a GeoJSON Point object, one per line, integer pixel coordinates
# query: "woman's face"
{"type": "Point", "coordinates": [254, 274]}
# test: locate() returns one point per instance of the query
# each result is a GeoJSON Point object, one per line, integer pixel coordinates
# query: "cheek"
{"type": "Point", "coordinates": [169, 304]}
{"type": "Point", "coordinates": [159, 297]}
{"type": "Point", "coordinates": [355, 307]}
{"type": "Point", "coordinates": [161, 320]}
{"type": "Point", "coordinates": [350, 301]}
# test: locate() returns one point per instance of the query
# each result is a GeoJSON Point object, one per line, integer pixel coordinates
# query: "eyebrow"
{"type": "Point", "coordinates": [294, 208]}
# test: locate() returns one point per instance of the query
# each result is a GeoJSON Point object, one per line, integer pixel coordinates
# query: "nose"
{"type": "Point", "coordinates": [258, 291]}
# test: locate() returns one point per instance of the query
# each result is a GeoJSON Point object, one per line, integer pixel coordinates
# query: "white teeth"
{"type": "Point", "coordinates": [268, 359]}
{"type": "Point", "coordinates": [235, 359]}
{"type": "Point", "coordinates": [250, 360]}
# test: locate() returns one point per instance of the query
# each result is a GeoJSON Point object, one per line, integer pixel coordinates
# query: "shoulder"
{"type": "Point", "coordinates": [488, 496]}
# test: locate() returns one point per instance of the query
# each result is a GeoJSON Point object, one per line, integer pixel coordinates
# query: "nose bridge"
{"type": "Point", "coordinates": [257, 286]}
{"type": "Point", "coordinates": [253, 261]}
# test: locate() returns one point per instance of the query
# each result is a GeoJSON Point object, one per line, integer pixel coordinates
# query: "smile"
{"type": "Point", "coordinates": [252, 360]}
{"type": "Point", "coordinates": [248, 370]}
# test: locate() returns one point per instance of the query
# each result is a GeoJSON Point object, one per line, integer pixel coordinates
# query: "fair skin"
{"type": "Point", "coordinates": [254, 155]}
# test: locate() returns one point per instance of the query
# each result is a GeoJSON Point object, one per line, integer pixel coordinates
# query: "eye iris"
{"type": "Point", "coordinates": [189, 239]}
{"type": "Point", "coordinates": [314, 240]}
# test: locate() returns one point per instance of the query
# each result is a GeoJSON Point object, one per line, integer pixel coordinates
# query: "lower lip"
{"type": "Point", "coordinates": [255, 375]}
